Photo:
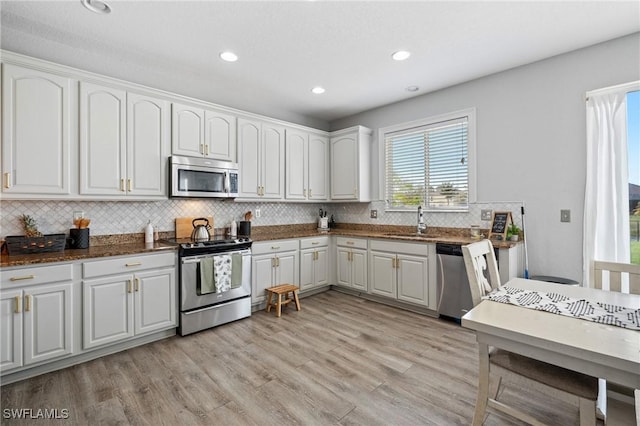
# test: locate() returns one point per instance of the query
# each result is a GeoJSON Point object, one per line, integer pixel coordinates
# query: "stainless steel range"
{"type": "Point", "coordinates": [215, 282]}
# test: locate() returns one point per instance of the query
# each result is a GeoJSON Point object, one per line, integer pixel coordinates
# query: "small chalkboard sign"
{"type": "Point", "coordinates": [499, 224]}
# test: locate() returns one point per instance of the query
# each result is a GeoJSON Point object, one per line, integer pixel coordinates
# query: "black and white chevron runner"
{"type": "Point", "coordinates": [562, 305]}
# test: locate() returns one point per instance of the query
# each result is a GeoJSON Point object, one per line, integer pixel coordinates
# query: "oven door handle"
{"type": "Point", "coordinates": [185, 261]}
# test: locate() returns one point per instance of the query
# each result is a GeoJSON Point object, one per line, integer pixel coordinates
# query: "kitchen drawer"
{"type": "Point", "coordinates": [314, 242]}
{"type": "Point", "coordinates": [36, 275]}
{"type": "Point", "coordinates": [418, 249]}
{"type": "Point", "coordinates": [129, 264]}
{"type": "Point", "coordinates": [352, 242]}
{"type": "Point", "coordinates": [275, 246]}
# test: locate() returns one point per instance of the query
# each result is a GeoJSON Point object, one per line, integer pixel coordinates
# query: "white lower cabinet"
{"type": "Point", "coordinates": [314, 262]}
{"type": "Point", "coordinates": [273, 263]}
{"type": "Point", "coordinates": [400, 271]}
{"type": "Point", "coordinates": [128, 296]}
{"type": "Point", "coordinates": [35, 315]}
{"type": "Point", "coordinates": [352, 263]}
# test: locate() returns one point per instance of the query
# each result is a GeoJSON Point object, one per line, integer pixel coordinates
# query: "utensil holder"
{"type": "Point", "coordinates": [244, 229]}
{"type": "Point", "coordinates": [79, 238]}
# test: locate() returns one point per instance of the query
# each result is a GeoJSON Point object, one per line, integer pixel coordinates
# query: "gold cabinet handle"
{"type": "Point", "coordinates": [275, 247]}
{"type": "Point", "coordinates": [27, 303]}
{"type": "Point", "coordinates": [122, 185]}
{"type": "Point", "coordinates": [397, 263]}
{"type": "Point", "coordinates": [129, 184]}
{"type": "Point", "coordinates": [202, 148]}
{"type": "Point", "coordinates": [206, 149]}
{"type": "Point", "coordinates": [350, 243]}
{"type": "Point", "coordinates": [7, 180]}
{"type": "Point", "coordinates": [315, 243]}
{"type": "Point", "coordinates": [128, 265]}
{"type": "Point", "coordinates": [129, 290]}
{"type": "Point", "coordinates": [24, 277]}
{"type": "Point", "coordinates": [17, 304]}
{"type": "Point", "coordinates": [137, 280]}
{"type": "Point", "coordinates": [310, 193]}
{"type": "Point", "coordinates": [304, 193]}
{"type": "Point", "coordinates": [277, 262]}
{"type": "Point", "coordinates": [350, 257]}
{"type": "Point", "coordinates": [355, 192]}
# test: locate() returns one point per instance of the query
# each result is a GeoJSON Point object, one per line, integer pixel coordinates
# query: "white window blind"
{"type": "Point", "coordinates": [428, 166]}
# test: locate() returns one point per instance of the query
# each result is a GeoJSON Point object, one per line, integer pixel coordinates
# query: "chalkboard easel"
{"type": "Point", "coordinates": [499, 224]}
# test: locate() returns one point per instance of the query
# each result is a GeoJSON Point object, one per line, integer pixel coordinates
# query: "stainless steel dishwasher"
{"type": "Point", "coordinates": [454, 294]}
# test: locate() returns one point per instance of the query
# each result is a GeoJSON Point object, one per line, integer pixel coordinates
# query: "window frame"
{"type": "Point", "coordinates": [470, 114]}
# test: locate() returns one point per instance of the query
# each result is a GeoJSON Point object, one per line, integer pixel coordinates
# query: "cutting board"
{"type": "Point", "coordinates": [184, 226]}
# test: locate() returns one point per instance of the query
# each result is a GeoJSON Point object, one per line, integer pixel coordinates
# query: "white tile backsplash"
{"type": "Point", "coordinates": [120, 217]}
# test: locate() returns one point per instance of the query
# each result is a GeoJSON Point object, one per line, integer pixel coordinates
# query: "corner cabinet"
{"type": "Point", "coordinates": [307, 166]}
{"type": "Point", "coordinates": [36, 313]}
{"type": "Point", "coordinates": [38, 133]}
{"type": "Point", "coordinates": [400, 271]}
{"type": "Point", "coordinates": [200, 132]}
{"type": "Point", "coordinates": [273, 263]}
{"type": "Point", "coordinates": [350, 164]}
{"type": "Point", "coordinates": [123, 143]}
{"type": "Point", "coordinates": [261, 158]}
{"type": "Point", "coordinates": [128, 296]}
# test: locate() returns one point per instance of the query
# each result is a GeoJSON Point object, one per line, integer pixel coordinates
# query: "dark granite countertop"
{"type": "Point", "coordinates": [130, 244]}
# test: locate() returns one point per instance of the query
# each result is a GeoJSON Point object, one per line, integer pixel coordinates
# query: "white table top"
{"type": "Point", "coordinates": [579, 344]}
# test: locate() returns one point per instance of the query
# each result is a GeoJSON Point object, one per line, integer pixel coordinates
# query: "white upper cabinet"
{"type": "Point", "coordinates": [261, 155]}
{"type": "Point", "coordinates": [123, 143]}
{"type": "Point", "coordinates": [37, 134]}
{"type": "Point", "coordinates": [199, 132]}
{"type": "Point", "coordinates": [307, 162]}
{"type": "Point", "coordinates": [350, 164]}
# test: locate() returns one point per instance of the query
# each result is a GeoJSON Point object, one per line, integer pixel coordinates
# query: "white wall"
{"type": "Point", "coordinates": [530, 139]}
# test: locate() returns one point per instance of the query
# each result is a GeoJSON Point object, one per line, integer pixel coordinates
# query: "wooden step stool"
{"type": "Point", "coordinates": [279, 291]}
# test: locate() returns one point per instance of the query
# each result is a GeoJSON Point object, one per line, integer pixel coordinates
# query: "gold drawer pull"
{"type": "Point", "coordinates": [206, 149]}
{"type": "Point", "coordinates": [17, 304]}
{"type": "Point", "coordinates": [315, 243]}
{"type": "Point", "coordinates": [275, 247]}
{"type": "Point", "coordinates": [129, 184]}
{"type": "Point", "coordinates": [129, 290]}
{"type": "Point", "coordinates": [132, 264]}
{"type": "Point", "coordinates": [122, 185]}
{"type": "Point", "coordinates": [27, 303]}
{"type": "Point", "coordinates": [7, 180]}
{"type": "Point", "coordinates": [137, 284]}
{"type": "Point", "coordinates": [26, 277]}
{"type": "Point", "coordinates": [350, 243]}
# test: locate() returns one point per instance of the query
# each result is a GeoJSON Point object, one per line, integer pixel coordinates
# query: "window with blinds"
{"type": "Point", "coordinates": [428, 166]}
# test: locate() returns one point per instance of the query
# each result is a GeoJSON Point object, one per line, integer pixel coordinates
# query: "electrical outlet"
{"type": "Point", "coordinates": [374, 214]}
{"type": "Point", "coordinates": [486, 214]}
{"type": "Point", "coordinates": [258, 213]}
{"type": "Point", "coordinates": [565, 215]}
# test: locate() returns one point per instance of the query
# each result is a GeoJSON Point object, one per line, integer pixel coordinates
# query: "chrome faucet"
{"type": "Point", "coordinates": [421, 225]}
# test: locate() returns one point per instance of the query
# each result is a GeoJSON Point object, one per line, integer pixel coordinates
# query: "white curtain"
{"type": "Point", "coordinates": [606, 202]}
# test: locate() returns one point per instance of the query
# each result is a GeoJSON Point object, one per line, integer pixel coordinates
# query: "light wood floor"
{"type": "Point", "coordinates": [340, 360]}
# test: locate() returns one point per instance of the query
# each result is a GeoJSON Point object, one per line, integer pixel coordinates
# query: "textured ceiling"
{"type": "Point", "coordinates": [286, 48]}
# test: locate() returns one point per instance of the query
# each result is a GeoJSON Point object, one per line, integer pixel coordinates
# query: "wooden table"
{"type": "Point", "coordinates": [607, 352]}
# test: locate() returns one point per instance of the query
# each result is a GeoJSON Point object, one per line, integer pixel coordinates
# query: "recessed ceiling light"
{"type": "Point", "coordinates": [96, 6]}
{"type": "Point", "coordinates": [401, 55]}
{"type": "Point", "coordinates": [412, 89]}
{"type": "Point", "coordinates": [318, 90]}
{"type": "Point", "coordinates": [229, 56]}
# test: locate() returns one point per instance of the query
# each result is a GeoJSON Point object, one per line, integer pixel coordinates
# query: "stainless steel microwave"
{"type": "Point", "coordinates": [194, 177]}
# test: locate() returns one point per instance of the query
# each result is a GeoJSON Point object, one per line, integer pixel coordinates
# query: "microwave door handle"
{"type": "Point", "coordinates": [227, 183]}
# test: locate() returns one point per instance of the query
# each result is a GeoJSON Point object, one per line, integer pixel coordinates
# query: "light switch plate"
{"type": "Point", "coordinates": [565, 215]}
{"type": "Point", "coordinates": [258, 212]}
{"type": "Point", "coordinates": [485, 214]}
{"type": "Point", "coordinates": [374, 214]}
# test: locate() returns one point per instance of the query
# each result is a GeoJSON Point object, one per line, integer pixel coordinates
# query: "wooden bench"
{"type": "Point", "coordinates": [279, 291]}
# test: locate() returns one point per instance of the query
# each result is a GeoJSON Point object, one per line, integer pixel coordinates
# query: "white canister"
{"type": "Point", "coordinates": [148, 233]}
{"type": "Point", "coordinates": [233, 230]}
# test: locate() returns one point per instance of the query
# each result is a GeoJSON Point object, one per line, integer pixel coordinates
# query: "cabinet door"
{"type": "Point", "coordinates": [383, 273]}
{"type": "Point", "coordinates": [187, 135]}
{"type": "Point", "coordinates": [321, 267]}
{"type": "Point", "coordinates": [248, 158]}
{"type": "Point", "coordinates": [102, 140]}
{"type": "Point", "coordinates": [318, 168]}
{"type": "Point", "coordinates": [344, 267]}
{"type": "Point", "coordinates": [37, 133]}
{"type": "Point", "coordinates": [220, 135]}
{"type": "Point", "coordinates": [344, 168]}
{"type": "Point", "coordinates": [261, 276]}
{"type": "Point", "coordinates": [10, 329]}
{"type": "Point", "coordinates": [307, 266]}
{"type": "Point", "coordinates": [272, 161]}
{"type": "Point", "coordinates": [147, 142]}
{"type": "Point", "coordinates": [47, 322]}
{"type": "Point", "coordinates": [155, 300]}
{"type": "Point", "coordinates": [287, 271]}
{"type": "Point", "coordinates": [296, 160]}
{"type": "Point", "coordinates": [359, 269]}
{"type": "Point", "coordinates": [413, 279]}
{"type": "Point", "coordinates": [107, 310]}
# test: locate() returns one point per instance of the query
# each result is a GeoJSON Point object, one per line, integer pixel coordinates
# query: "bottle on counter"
{"type": "Point", "coordinates": [148, 233]}
{"type": "Point", "coordinates": [233, 230]}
